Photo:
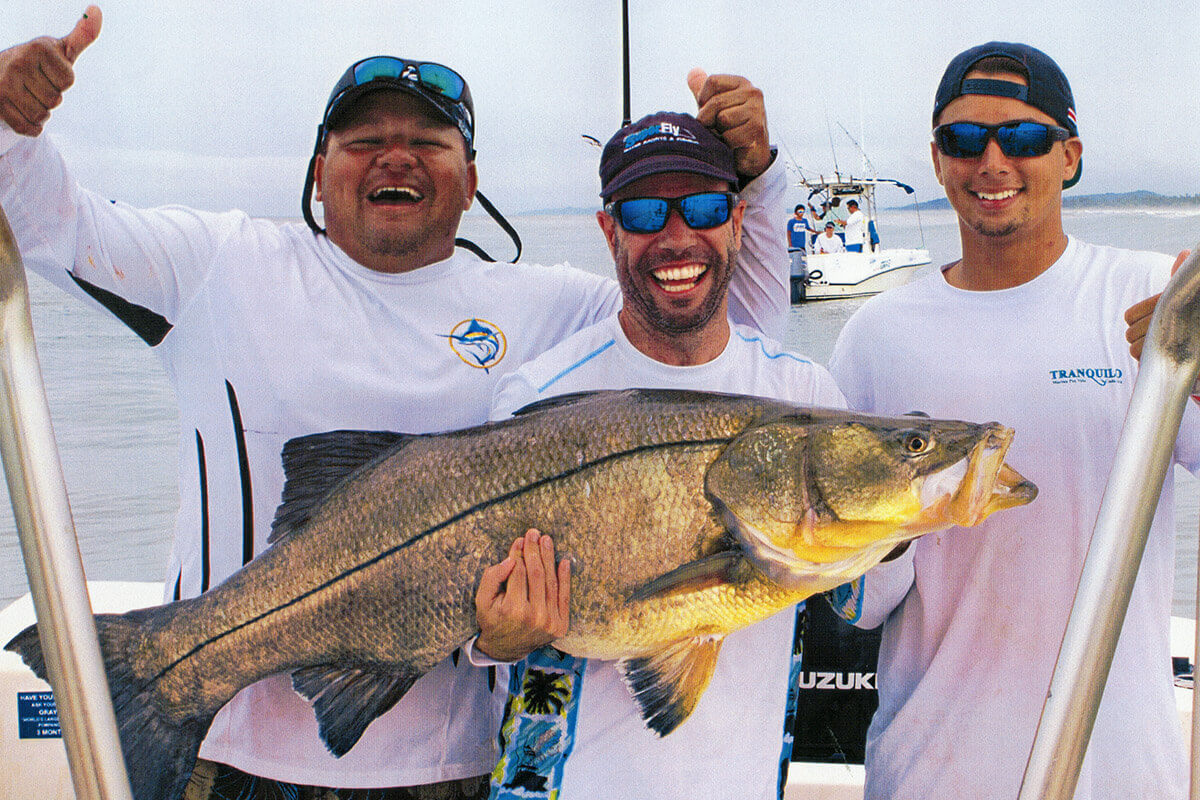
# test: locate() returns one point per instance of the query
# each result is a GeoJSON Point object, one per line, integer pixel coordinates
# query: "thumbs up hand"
{"type": "Point", "coordinates": [34, 75]}
{"type": "Point", "coordinates": [732, 108]}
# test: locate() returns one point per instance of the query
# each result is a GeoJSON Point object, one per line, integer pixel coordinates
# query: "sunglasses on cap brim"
{"type": "Point", "coordinates": [1016, 139]}
{"type": "Point", "coordinates": [699, 211]}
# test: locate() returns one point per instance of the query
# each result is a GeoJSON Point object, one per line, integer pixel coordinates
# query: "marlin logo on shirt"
{"type": "Point", "coordinates": [478, 343]}
{"type": "Point", "coordinates": [1101, 376]}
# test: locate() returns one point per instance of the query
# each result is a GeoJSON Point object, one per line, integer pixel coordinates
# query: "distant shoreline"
{"type": "Point", "coordinates": [1138, 199]}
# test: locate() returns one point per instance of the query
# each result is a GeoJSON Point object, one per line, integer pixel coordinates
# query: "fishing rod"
{"type": "Point", "coordinates": [626, 119]}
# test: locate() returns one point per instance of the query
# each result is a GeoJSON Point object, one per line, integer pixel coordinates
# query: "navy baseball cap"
{"type": "Point", "coordinates": [663, 142]}
{"type": "Point", "coordinates": [1048, 89]}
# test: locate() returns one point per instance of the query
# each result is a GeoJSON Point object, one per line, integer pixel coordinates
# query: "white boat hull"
{"type": "Point", "coordinates": [840, 275]}
{"type": "Point", "coordinates": [38, 767]}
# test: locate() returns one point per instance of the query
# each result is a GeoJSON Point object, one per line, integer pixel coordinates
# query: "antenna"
{"type": "Point", "coordinates": [625, 54]}
{"type": "Point", "coordinates": [829, 132]}
{"type": "Point", "coordinates": [866, 159]}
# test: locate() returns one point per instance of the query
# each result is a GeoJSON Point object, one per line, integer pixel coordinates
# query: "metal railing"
{"type": "Point", "coordinates": [1169, 365]}
{"type": "Point", "coordinates": [51, 551]}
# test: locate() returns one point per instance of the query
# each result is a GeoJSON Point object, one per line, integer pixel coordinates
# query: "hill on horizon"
{"type": "Point", "coordinates": [1139, 198]}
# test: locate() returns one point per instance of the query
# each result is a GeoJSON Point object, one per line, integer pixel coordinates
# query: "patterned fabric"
{"type": "Point", "coordinates": [539, 726]}
{"type": "Point", "coordinates": [793, 696]}
{"type": "Point", "coordinates": [847, 599]}
{"type": "Point", "coordinates": [213, 781]}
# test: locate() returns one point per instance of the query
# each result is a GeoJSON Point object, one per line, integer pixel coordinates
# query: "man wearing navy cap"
{"type": "Point", "coordinates": [674, 225]}
{"type": "Point", "coordinates": [375, 322]}
{"type": "Point", "coordinates": [1024, 328]}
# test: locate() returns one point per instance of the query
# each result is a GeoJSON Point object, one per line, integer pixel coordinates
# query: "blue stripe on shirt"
{"type": "Point", "coordinates": [576, 365]}
{"type": "Point", "coordinates": [762, 347]}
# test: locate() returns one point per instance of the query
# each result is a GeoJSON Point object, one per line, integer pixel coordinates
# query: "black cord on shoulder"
{"type": "Point", "coordinates": [502, 222]}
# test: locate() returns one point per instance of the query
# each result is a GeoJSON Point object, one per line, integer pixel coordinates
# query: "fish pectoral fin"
{"type": "Point", "coordinates": [313, 465]}
{"type": "Point", "coordinates": [346, 701]}
{"type": "Point", "coordinates": [694, 576]}
{"type": "Point", "coordinates": [668, 684]}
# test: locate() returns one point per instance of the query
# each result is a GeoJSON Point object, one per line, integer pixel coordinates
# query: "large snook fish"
{"type": "Point", "coordinates": [686, 515]}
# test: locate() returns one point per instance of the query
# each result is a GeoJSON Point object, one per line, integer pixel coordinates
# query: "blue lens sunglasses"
{"type": "Point", "coordinates": [1016, 139]}
{"type": "Point", "coordinates": [649, 214]}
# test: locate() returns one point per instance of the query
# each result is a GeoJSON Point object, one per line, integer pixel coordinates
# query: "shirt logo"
{"type": "Point", "coordinates": [478, 343]}
{"type": "Point", "coordinates": [1102, 376]}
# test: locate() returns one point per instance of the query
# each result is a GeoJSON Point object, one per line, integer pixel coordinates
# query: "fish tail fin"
{"type": "Point", "coordinates": [160, 752]}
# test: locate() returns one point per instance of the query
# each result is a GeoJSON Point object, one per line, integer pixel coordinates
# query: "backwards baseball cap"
{"type": "Point", "coordinates": [663, 142]}
{"type": "Point", "coordinates": [442, 89]}
{"type": "Point", "coordinates": [1048, 89]}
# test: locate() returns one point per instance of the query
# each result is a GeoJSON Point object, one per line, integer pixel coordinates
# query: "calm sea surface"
{"type": "Point", "coordinates": [115, 419]}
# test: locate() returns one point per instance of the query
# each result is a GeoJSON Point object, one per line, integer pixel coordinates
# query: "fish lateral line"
{"type": "Point", "coordinates": [391, 551]}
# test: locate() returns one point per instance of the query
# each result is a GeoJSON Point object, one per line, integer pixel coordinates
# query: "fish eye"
{"type": "Point", "coordinates": [916, 442]}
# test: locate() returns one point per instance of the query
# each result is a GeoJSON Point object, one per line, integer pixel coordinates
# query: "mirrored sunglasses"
{"type": "Point", "coordinates": [649, 214]}
{"type": "Point", "coordinates": [1016, 139]}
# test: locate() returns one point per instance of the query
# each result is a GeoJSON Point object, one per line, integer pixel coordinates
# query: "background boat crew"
{"type": "Point", "coordinates": [673, 227]}
{"type": "Point", "coordinates": [829, 242]}
{"type": "Point", "coordinates": [972, 621]}
{"type": "Point", "coordinates": [855, 230]}
{"type": "Point", "coordinates": [271, 331]}
{"type": "Point", "coordinates": [799, 233]}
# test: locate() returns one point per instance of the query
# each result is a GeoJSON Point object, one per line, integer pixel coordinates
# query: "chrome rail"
{"type": "Point", "coordinates": [51, 552]}
{"type": "Point", "coordinates": [1169, 365]}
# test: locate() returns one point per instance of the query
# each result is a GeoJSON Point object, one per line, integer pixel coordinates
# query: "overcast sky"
{"type": "Point", "coordinates": [215, 105]}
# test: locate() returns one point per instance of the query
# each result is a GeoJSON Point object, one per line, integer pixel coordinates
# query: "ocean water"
{"type": "Point", "coordinates": [116, 424]}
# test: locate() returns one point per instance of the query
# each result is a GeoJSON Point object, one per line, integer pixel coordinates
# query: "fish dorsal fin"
{"type": "Point", "coordinates": [553, 402]}
{"type": "Point", "coordinates": [346, 701]}
{"type": "Point", "coordinates": [694, 576]}
{"type": "Point", "coordinates": [314, 464]}
{"type": "Point", "coordinates": [667, 685]}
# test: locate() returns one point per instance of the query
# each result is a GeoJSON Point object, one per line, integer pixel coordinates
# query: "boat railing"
{"type": "Point", "coordinates": [52, 561]}
{"type": "Point", "coordinates": [1170, 362]}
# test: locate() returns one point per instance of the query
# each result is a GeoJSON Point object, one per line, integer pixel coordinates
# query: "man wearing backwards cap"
{"type": "Point", "coordinates": [1025, 329]}
{"type": "Point", "coordinates": [274, 331]}
{"type": "Point", "coordinates": [673, 224]}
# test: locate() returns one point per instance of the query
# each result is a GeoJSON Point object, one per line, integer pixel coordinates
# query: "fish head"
{"type": "Point", "coordinates": [826, 495]}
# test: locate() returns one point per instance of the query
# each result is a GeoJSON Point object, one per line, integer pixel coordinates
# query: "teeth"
{"type": "Point", "coordinates": [997, 195]}
{"type": "Point", "coordinates": [397, 193]}
{"type": "Point", "coordinates": [688, 273]}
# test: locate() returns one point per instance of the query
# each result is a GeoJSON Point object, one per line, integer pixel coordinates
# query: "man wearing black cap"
{"type": "Point", "coordinates": [274, 331]}
{"type": "Point", "coordinates": [1024, 329]}
{"type": "Point", "coordinates": [673, 224]}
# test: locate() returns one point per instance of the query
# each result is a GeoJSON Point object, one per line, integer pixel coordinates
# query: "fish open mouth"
{"type": "Point", "coordinates": [969, 491]}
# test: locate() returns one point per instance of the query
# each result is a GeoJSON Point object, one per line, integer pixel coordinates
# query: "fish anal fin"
{"type": "Point", "coordinates": [346, 701]}
{"type": "Point", "coordinates": [694, 576]}
{"type": "Point", "coordinates": [667, 685]}
{"type": "Point", "coordinates": [313, 465]}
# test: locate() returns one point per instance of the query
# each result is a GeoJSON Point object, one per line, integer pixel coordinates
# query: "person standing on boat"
{"type": "Point", "coordinates": [375, 321]}
{"type": "Point", "coordinates": [1023, 328]}
{"type": "Point", "coordinates": [673, 224]}
{"type": "Point", "coordinates": [798, 230]}
{"type": "Point", "coordinates": [855, 230]}
{"type": "Point", "coordinates": [829, 242]}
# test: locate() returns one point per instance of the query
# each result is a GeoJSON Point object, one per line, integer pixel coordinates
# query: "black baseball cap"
{"type": "Point", "coordinates": [1048, 89]}
{"type": "Point", "coordinates": [442, 89]}
{"type": "Point", "coordinates": [663, 142]}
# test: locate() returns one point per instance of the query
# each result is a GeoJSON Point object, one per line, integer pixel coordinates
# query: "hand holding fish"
{"type": "Point", "coordinates": [1138, 315]}
{"type": "Point", "coordinates": [522, 602]}
{"type": "Point", "coordinates": [733, 109]}
{"type": "Point", "coordinates": [34, 75]}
